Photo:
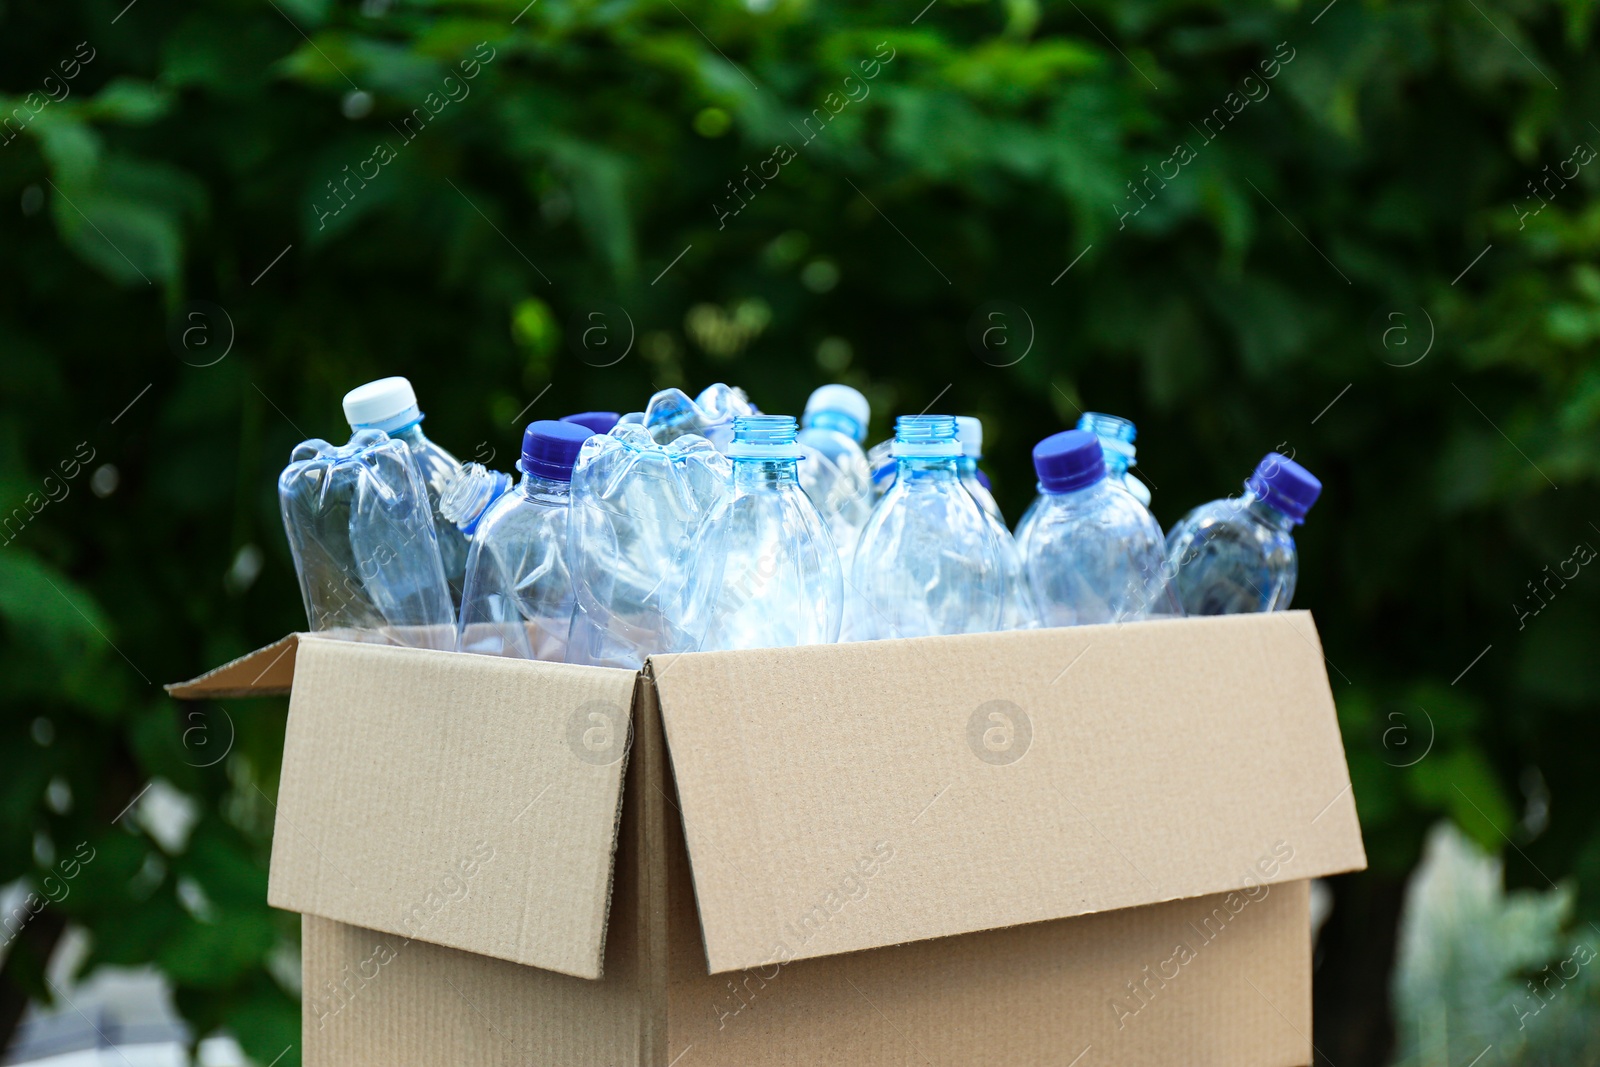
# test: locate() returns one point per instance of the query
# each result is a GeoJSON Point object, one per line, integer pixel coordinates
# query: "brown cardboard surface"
{"type": "Point", "coordinates": [466, 801]}
{"type": "Point", "coordinates": [1015, 778]}
{"type": "Point", "coordinates": [267, 671]}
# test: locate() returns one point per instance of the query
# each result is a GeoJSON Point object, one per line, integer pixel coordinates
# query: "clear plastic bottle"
{"type": "Point", "coordinates": [364, 542]}
{"type": "Point", "coordinates": [518, 600]}
{"type": "Point", "coordinates": [834, 472]}
{"type": "Point", "coordinates": [598, 421]}
{"type": "Point", "coordinates": [390, 405]}
{"type": "Point", "coordinates": [764, 573]}
{"type": "Point", "coordinates": [1117, 435]}
{"type": "Point", "coordinates": [970, 432]}
{"type": "Point", "coordinates": [927, 562]}
{"type": "Point", "coordinates": [1116, 440]}
{"type": "Point", "coordinates": [880, 457]}
{"type": "Point", "coordinates": [671, 414]}
{"type": "Point", "coordinates": [636, 505]}
{"type": "Point", "coordinates": [1093, 553]}
{"type": "Point", "coordinates": [469, 496]}
{"type": "Point", "coordinates": [1238, 554]}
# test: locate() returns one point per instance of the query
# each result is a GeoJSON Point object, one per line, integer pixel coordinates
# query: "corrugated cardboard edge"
{"type": "Point", "coordinates": [268, 671]}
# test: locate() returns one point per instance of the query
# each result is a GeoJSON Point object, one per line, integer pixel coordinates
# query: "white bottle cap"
{"type": "Point", "coordinates": [387, 404]}
{"type": "Point", "coordinates": [970, 432]}
{"type": "Point", "coordinates": [846, 401]}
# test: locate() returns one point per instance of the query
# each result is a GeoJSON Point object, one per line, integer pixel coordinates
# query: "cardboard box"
{"type": "Point", "coordinates": [1079, 846]}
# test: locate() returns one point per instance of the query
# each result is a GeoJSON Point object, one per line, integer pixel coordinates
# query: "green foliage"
{"type": "Point", "coordinates": [232, 212]}
{"type": "Point", "coordinates": [1480, 968]}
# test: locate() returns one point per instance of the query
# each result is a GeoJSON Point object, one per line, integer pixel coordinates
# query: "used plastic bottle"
{"type": "Point", "coordinates": [927, 562]}
{"type": "Point", "coordinates": [764, 572]}
{"type": "Point", "coordinates": [598, 421]}
{"type": "Point", "coordinates": [834, 472]}
{"type": "Point", "coordinates": [1117, 435]}
{"type": "Point", "coordinates": [636, 505]}
{"type": "Point", "coordinates": [672, 414]}
{"type": "Point", "coordinates": [970, 433]}
{"type": "Point", "coordinates": [1093, 553]}
{"type": "Point", "coordinates": [1238, 554]}
{"type": "Point", "coordinates": [390, 405]}
{"type": "Point", "coordinates": [364, 542]}
{"type": "Point", "coordinates": [880, 457]}
{"type": "Point", "coordinates": [518, 600]}
{"type": "Point", "coordinates": [469, 496]}
{"type": "Point", "coordinates": [1116, 440]}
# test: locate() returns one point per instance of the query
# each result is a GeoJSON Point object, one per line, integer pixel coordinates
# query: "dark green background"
{"type": "Point", "coordinates": [142, 215]}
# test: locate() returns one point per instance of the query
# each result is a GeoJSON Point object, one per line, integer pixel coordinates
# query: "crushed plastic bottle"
{"type": "Point", "coordinates": [363, 537]}
{"type": "Point", "coordinates": [764, 572]}
{"type": "Point", "coordinates": [468, 497]}
{"type": "Point", "coordinates": [636, 505]}
{"type": "Point", "coordinates": [1093, 553]}
{"type": "Point", "coordinates": [928, 562]}
{"type": "Point", "coordinates": [671, 414]}
{"type": "Point", "coordinates": [518, 599]}
{"type": "Point", "coordinates": [1238, 554]}
{"type": "Point", "coordinates": [390, 405]}
{"type": "Point", "coordinates": [880, 457]}
{"type": "Point", "coordinates": [598, 421]}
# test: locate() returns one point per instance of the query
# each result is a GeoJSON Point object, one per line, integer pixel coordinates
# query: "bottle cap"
{"type": "Point", "coordinates": [598, 421]}
{"type": "Point", "coordinates": [388, 404]}
{"type": "Point", "coordinates": [841, 400]}
{"type": "Point", "coordinates": [550, 448]}
{"type": "Point", "coordinates": [925, 436]}
{"type": "Point", "coordinates": [1284, 484]}
{"type": "Point", "coordinates": [969, 431]}
{"type": "Point", "coordinates": [1069, 460]}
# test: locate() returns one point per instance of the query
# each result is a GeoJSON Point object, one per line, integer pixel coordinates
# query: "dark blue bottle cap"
{"type": "Point", "coordinates": [1069, 460]}
{"type": "Point", "coordinates": [598, 421]}
{"type": "Point", "coordinates": [550, 448]}
{"type": "Point", "coordinates": [1284, 484]}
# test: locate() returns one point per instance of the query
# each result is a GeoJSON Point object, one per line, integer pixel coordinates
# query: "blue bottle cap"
{"type": "Point", "coordinates": [1068, 461]}
{"type": "Point", "coordinates": [598, 421]}
{"type": "Point", "coordinates": [1284, 484]}
{"type": "Point", "coordinates": [550, 448]}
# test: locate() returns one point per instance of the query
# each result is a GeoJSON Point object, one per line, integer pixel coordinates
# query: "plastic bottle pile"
{"type": "Point", "coordinates": [701, 523]}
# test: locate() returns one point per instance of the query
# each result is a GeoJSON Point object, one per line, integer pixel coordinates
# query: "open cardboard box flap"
{"type": "Point", "coordinates": [1005, 779]}
{"type": "Point", "coordinates": [1011, 778]}
{"type": "Point", "coordinates": [467, 801]}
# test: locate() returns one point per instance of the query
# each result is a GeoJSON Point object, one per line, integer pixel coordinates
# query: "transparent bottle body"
{"type": "Point", "coordinates": [439, 469]}
{"type": "Point", "coordinates": [835, 475]}
{"type": "Point", "coordinates": [1231, 556]}
{"type": "Point", "coordinates": [518, 599]}
{"type": "Point", "coordinates": [967, 467]}
{"type": "Point", "coordinates": [364, 542]}
{"type": "Point", "coordinates": [635, 506]}
{"type": "Point", "coordinates": [1095, 555]}
{"type": "Point", "coordinates": [764, 572]}
{"type": "Point", "coordinates": [928, 561]}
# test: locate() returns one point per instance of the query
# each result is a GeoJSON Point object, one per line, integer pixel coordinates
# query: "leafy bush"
{"type": "Point", "coordinates": [1361, 232]}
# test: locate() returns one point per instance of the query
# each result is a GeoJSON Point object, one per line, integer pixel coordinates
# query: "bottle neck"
{"type": "Point", "coordinates": [547, 490]}
{"type": "Point", "coordinates": [765, 474]}
{"type": "Point", "coordinates": [411, 433]}
{"type": "Point", "coordinates": [1264, 513]}
{"type": "Point", "coordinates": [928, 470]}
